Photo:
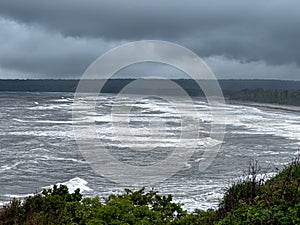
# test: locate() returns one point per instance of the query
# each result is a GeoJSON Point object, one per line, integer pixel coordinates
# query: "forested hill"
{"type": "Point", "coordinates": [277, 96]}
{"type": "Point", "coordinates": [114, 86]}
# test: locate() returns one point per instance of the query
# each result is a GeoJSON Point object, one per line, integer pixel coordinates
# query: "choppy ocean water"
{"type": "Point", "coordinates": [38, 145]}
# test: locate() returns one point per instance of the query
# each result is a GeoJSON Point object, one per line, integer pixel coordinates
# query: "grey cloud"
{"type": "Point", "coordinates": [245, 31]}
{"type": "Point", "coordinates": [37, 51]}
{"type": "Point", "coordinates": [225, 68]}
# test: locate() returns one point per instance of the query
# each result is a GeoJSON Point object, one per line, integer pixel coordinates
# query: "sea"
{"type": "Point", "coordinates": [38, 146]}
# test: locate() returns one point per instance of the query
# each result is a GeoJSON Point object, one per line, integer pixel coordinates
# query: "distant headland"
{"type": "Point", "coordinates": [115, 85]}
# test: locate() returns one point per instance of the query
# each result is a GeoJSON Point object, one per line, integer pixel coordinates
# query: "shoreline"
{"type": "Point", "coordinates": [265, 105]}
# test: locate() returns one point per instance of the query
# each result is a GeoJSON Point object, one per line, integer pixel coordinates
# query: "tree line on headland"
{"type": "Point", "coordinates": [265, 91]}
{"type": "Point", "coordinates": [115, 85]}
{"type": "Point", "coordinates": [284, 97]}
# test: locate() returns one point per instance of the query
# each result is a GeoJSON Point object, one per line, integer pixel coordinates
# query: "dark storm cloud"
{"type": "Point", "coordinates": [33, 50]}
{"type": "Point", "coordinates": [247, 31]}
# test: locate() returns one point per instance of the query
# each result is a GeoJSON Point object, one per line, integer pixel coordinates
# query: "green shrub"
{"type": "Point", "coordinates": [276, 201]}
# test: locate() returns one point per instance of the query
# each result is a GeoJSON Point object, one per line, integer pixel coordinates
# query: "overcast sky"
{"type": "Point", "coordinates": [237, 38]}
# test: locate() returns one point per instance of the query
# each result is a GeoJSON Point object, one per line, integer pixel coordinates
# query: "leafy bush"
{"type": "Point", "coordinates": [276, 201]}
{"type": "Point", "coordinates": [58, 206]}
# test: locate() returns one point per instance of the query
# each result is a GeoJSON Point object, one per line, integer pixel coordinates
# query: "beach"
{"type": "Point", "coordinates": [265, 105]}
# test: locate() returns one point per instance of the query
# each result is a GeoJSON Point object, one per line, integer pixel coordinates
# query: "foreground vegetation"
{"type": "Point", "coordinates": [251, 201]}
{"type": "Point", "coordinates": [275, 96]}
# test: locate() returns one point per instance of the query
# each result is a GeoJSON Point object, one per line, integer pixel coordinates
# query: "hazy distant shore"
{"type": "Point", "coordinates": [266, 105]}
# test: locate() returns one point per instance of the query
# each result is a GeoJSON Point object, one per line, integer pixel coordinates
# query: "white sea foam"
{"type": "Point", "coordinates": [44, 121]}
{"type": "Point", "coordinates": [19, 196]}
{"type": "Point", "coordinates": [165, 142]}
{"type": "Point", "coordinates": [8, 167]}
{"type": "Point", "coordinates": [65, 100]}
{"type": "Point", "coordinates": [48, 107]}
{"type": "Point", "coordinates": [53, 158]}
{"type": "Point", "coordinates": [203, 201]}
{"type": "Point", "coordinates": [2, 203]}
{"type": "Point", "coordinates": [19, 120]}
{"type": "Point", "coordinates": [259, 176]}
{"type": "Point", "coordinates": [257, 121]}
{"type": "Point", "coordinates": [43, 133]}
{"type": "Point", "coordinates": [74, 184]}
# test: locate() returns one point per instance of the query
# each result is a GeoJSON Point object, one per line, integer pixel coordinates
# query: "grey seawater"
{"type": "Point", "coordinates": [38, 147]}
